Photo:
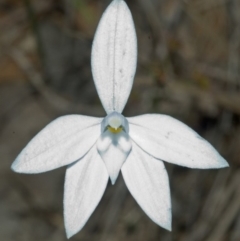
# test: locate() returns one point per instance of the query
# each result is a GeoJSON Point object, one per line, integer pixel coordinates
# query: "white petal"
{"type": "Point", "coordinates": [147, 180]}
{"type": "Point", "coordinates": [114, 56]}
{"type": "Point", "coordinates": [85, 183]}
{"type": "Point", "coordinates": [60, 143]}
{"type": "Point", "coordinates": [170, 140]}
{"type": "Point", "coordinates": [114, 150]}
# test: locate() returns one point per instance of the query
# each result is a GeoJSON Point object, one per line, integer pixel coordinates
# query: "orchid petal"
{"type": "Point", "coordinates": [85, 183]}
{"type": "Point", "coordinates": [114, 150]}
{"type": "Point", "coordinates": [147, 180]}
{"type": "Point", "coordinates": [172, 141]}
{"type": "Point", "coordinates": [60, 143]}
{"type": "Point", "coordinates": [114, 56]}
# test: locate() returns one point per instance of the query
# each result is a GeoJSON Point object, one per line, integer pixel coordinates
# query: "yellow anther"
{"type": "Point", "coordinates": [115, 131]}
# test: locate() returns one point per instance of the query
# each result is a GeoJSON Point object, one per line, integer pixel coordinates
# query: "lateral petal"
{"type": "Point", "coordinates": [114, 56]}
{"type": "Point", "coordinates": [60, 143]}
{"type": "Point", "coordinates": [172, 141]}
{"type": "Point", "coordinates": [147, 180]}
{"type": "Point", "coordinates": [114, 150]}
{"type": "Point", "coordinates": [85, 183]}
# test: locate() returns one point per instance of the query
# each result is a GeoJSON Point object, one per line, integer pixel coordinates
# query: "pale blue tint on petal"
{"type": "Point", "coordinates": [114, 150]}
{"type": "Point", "coordinates": [172, 141]}
{"type": "Point", "coordinates": [114, 56]}
{"type": "Point", "coordinates": [60, 143]}
{"type": "Point", "coordinates": [85, 183]}
{"type": "Point", "coordinates": [147, 180]}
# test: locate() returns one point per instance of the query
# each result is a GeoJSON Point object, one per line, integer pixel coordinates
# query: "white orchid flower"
{"type": "Point", "coordinates": [98, 148]}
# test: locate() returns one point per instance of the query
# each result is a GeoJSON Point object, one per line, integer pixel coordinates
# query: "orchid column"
{"type": "Point", "coordinates": [96, 149]}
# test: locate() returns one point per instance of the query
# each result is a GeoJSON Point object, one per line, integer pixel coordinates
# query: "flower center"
{"type": "Point", "coordinates": [115, 123]}
{"type": "Point", "coordinates": [115, 131]}
{"type": "Point", "coordinates": [114, 144]}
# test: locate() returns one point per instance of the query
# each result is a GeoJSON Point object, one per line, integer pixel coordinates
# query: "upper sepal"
{"type": "Point", "coordinates": [114, 56]}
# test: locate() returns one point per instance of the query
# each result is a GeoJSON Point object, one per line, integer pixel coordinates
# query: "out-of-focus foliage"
{"type": "Point", "coordinates": [188, 67]}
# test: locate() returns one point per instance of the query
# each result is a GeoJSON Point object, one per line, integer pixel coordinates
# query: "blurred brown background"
{"type": "Point", "coordinates": [188, 67]}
